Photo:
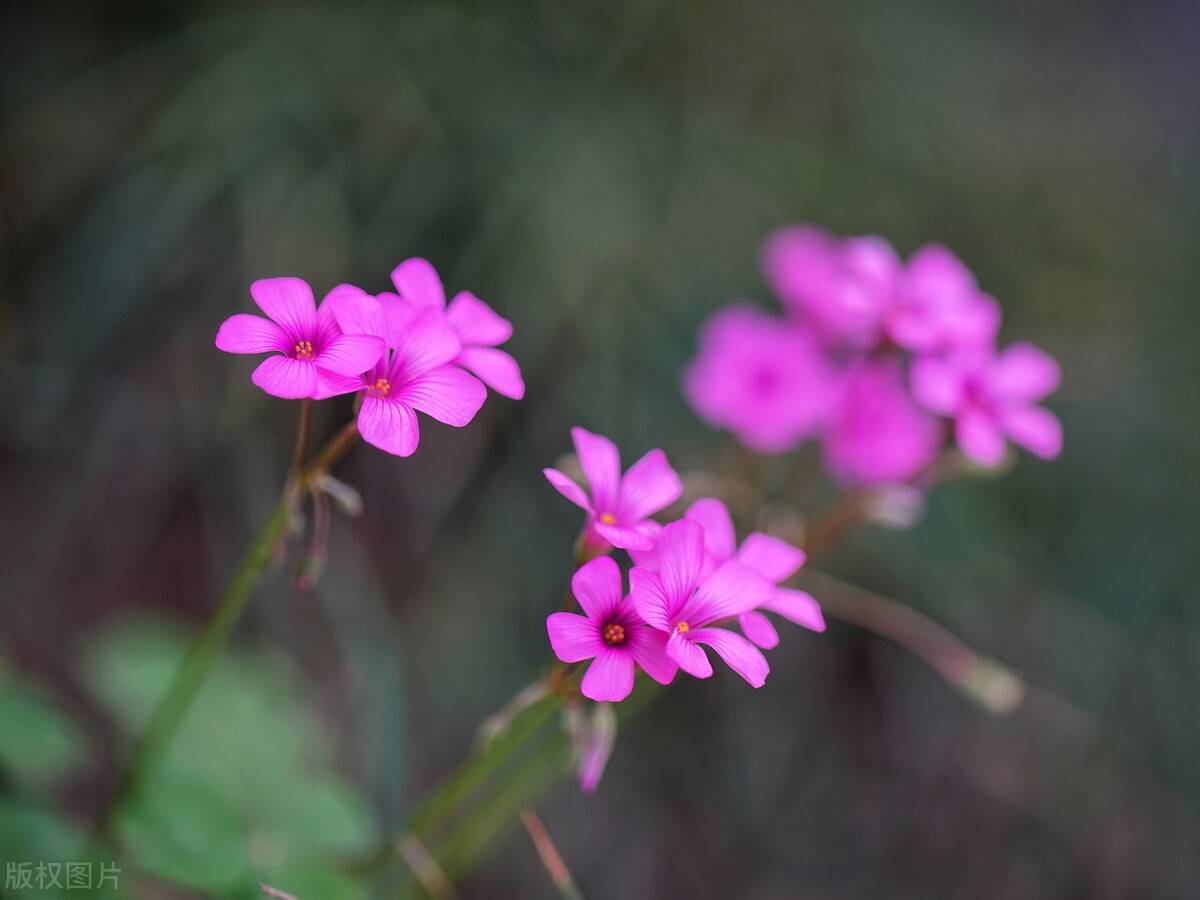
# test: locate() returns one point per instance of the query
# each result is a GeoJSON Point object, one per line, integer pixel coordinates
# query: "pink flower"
{"type": "Point", "coordinates": [764, 379]}
{"type": "Point", "coordinates": [609, 633]}
{"type": "Point", "coordinates": [415, 373]}
{"type": "Point", "coordinates": [479, 328]}
{"type": "Point", "coordinates": [938, 305]}
{"type": "Point", "coordinates": [618, 509]}
{"type": "Point", "coordinates": [842, 287]}
{"type": "Point", "coordinates": [685, 603]}
{"type": "Point", "coordinates": [878, 435]}
{"type": "Point", "coordinates": [305, 342]}
{"type": "Point", "coordinates": [991, 397]}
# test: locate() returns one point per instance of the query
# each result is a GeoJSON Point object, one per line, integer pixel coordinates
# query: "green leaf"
{"type": "Point", "coordinates": [37, 742]}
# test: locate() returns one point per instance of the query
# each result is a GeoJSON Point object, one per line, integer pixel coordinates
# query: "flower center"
{"type": "Point", "coordinates": [613, 634]}
{"type": "Point", "coordinates": [683, 628]}
{"type": "Point", "coordinates": [303, 350]}
{"type": "Point", "coordinates": [608, 519]}
{"type": "Point", "coordinates": [381, 388]}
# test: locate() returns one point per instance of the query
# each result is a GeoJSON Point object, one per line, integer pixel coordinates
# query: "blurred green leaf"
{"type": "Point", "coordinates": [37, 742]}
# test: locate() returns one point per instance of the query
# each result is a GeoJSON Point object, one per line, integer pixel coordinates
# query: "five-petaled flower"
{"type": "Point", "coordinates": [618, 508]}
{"type": "Point", "coordinates": [610, 633]}
{"type": "Point", "coordinates": [305, 342]}
{"type": "Point", "coordinates": [687, 604]}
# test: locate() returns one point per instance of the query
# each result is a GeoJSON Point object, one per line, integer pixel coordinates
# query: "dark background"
{"type": "Point", "coordinates": [602, 173]}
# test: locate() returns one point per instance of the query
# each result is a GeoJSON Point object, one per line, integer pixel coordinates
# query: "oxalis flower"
{"type": "Point", "coordinates": [480, 330]}
{"type": "Point", "coordinates": [773, 558]}
{"type": "Point", "coordinates": [618, 508]}
{"type": "Point", "coordinates": [939, 307]}
{"type": "Point", "coordinates": [683, 602]}
{"type": "Point", "coordinates": [415, 373]}
{"type": "Point", "coordinates": [307, 343]}
{"type": "Point", "coordinates": [992, 397]}
{"type": "Point", "coordinates": [610, 633]}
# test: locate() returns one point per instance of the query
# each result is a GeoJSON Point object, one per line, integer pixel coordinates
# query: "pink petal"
{"type": "Point", "coordinates": [289, 303]}
{"type": "Point", "coordinates": [797, 607]}
{"type": "Point", "coordinates": [732, 589]}
{"type": "Point", "coordinates": [476, 322]}
{"type": "Point", "coordinates": [417, 281]}
{"type": "Point", "coordinates": [350, 354]}
{"type": "Point", "coordinates": [424, 344]}
{"type": "Point", "coordinates": [601, 463]}
{"type": "Point", "coordinates": [647, 558]}
{"type": "Point", "coordinates": [610, 677]}
{"type": "Point", "coordinates": [1023, 372]}
{"type": "Point", "coordinates": [568, 488]}
{"type": "Point", "coordinates": [573, 637]}
{"type": "Point", "coordinates": [713, 516]}
{"type": "Point", "coordinates": [355, 311]}
{"type": "Point", "coordinates": [495, 368]}
{"type": "Point", "coordinates": [937, 384]}
{"type": "Point", "coordinates": [771, 557]}
{"type": "Point", "coordinates": [282, 376]}
{"type": "Point", "coordinates": [649, 485]}
{"type": "Point", "coordinates": [389, 425]}
{"type": "Point", "coordinates": [758, 629]}
{"type": "Point", "coordinates": [244, 333]}
{"type": "Point", "coordinates": [650, 598]}
{"type": "Point", "coordinates": [649, 649]}
{"type": "Point", "coordinates": [688, 656]}
{"type": "Point", "coordinates": [449, 394]}
{"type": "Point", "coordinates": [597, 587]}
{"type": "Point", "coordinates": [1035, 429]}
{"type": "Point", "coordinates": [330, 385]}
{"type": "Point", "coordinates": [739, 654]}
{"type": "Point", "coordinates": [979, 437]}
{"type": "Point", "coordinates": [398, 315]}
{"type": "Point", "coordinates": [680, 559]}
{"type": "Point", "coordinates": [637, 537]}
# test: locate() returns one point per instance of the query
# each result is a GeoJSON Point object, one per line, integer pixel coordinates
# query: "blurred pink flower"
{"type": "Point", "coordinates": [938, 305]}
{"type": "Point", "coordinates": [842, 287]}
{"type": "Point", "coordinates": [479, 328]}
{"type": "Point", "coordinates": [305, 342]}
{"type": "Point", "coordinates": [878, 434]}
{"type": "Point", "coordinates": [609, 633]}
{"type": "Point", "coordinates": [414, 374]}
{"type": "Point", "coordinates": [681, 600]}
{"type": "Point", "coordinates": [992, 396]}
{"type": "Point", "coordinates": [762, 378]}
{"type": "Point", "coordinates": [618, 508]}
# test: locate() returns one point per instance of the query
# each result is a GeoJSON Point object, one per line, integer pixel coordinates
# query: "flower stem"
{"type": "Point", "coordinates": [301, 451]}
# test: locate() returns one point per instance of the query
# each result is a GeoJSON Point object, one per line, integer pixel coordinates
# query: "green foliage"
{"type": "Point", "coordinates": [37, 742]}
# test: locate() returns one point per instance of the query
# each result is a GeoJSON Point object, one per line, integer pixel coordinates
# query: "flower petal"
{"type": "Point", "coordinates": [937, 384]}
{"type": "Point", "coordinates": [771, 557]}
{"type": "Point", "coordinates": [476, 322]}
{"type": "Point", "coordinates": [423, 344]}
{"type": "Point", "coordinates": [283, 376]}
{"type": "Point", "coordinates": [495, 368]}
{"type": "Point", "coordinates": [713, 516]}
{"type": "Point", "coordinates": [979, 437]}
{"type": "Point", "coordinates": [610, 677]}
{"type": "Point", "coordinates": [573, 637]}
{"type": "Point", "coordinates": [1037, 430]}
{"type": "Point", "coordinates": [350, 354]}
{"type": "Point", "coordinates": [289, 303]}
{"type": "Point", "coordinates": [649, 485]}
{"type": "Point", "coordinates": [568, 488]}
{"type": "Point", "coordinates": [797, 607]}
{"type": "Point", "coordinates": [680, 559]}
{"type": "Point", "coordinates": [758, 629]}
{"type": "Point", "coordinates": [649, 649]}
{"type": "Point", "coordinates": [417, 281]}
{"type": "Point", "coordinates": [650, 599]}
{"type": "Point", "coordinates": [597, 587]}
{"type": "Point", "coordinates": [636, 537]}
{"type": "Point", "coordinates": [356, 311]}
{"type": "Point", "coordinates": [688, 656]}
{"type": "Point", "coordinates": [739, 654]}
{"type": "Point", "coordinates": [330, 385]}
{"type": "Point", "coordinates": [245, 333]}
{"type": "Point", "coordinates": [1023, 372]}
{"type": "Point", "coordinates": [398, 315]}
{"type": "Point", "coordinates": [389, 425]}
{"type": "Point", "coordinates": [449, 394]}
{"type": "Point", "coordinates": [601, 463]}
{"type": "Point", "coordinates": [734, 588]}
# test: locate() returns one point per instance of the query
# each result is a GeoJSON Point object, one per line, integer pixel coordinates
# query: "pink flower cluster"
{"type": "Point", "coordinates": [877, 357]}
{"type": "Point", "coordinates": [689, 584]}
{"type": "Point", "coordinates": [401, 353]}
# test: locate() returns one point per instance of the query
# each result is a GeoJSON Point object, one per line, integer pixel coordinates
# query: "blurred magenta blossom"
{"type": "Point", "coordinates": [872, 353]}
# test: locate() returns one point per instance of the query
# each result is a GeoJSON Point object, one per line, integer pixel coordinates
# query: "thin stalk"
{"type": "Point", "coordinates": [302, 433]}
{"type": "Point", "coordinates": [556, 867]}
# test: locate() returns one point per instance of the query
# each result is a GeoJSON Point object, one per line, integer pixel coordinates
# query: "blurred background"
{"type": "Point", "coordinates": [602, 173]}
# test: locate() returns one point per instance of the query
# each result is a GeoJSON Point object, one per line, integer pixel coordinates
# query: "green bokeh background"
{"type": "Point", "coordinates": [603, 174]}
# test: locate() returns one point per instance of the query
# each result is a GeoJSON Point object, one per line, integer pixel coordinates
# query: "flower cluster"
{"type": "Point", "coordinates": [400, 353]}
{"type": "Point", "coordinates": [689, 584]}
{"type": "Point", "coordinates": [879, 358]}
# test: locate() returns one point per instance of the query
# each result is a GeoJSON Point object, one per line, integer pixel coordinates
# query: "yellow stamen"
{"type": "Point", "coordinates": [608, 519]}
{"type": "Point", "coordinates": [381, 388]}
{"type": "Point", "coordinates": [614, 634]}
{"type": "Point", "coordinates": [303, 350]}
{"type": "Point", "coordinates": [683, 628]}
